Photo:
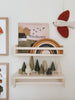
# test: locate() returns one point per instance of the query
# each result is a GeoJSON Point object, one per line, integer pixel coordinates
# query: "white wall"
{"type": "Point", "coordinates": [40, 11]}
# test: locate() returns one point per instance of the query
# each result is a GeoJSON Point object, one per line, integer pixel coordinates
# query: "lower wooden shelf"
{"type": "Point", "coordinates": [38, 79]}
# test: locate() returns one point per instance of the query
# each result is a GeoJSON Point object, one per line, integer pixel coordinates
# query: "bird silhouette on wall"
{"type": "Point", "coordinates": [63, 24]}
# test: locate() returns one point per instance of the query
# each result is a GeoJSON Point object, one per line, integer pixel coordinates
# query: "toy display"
{"type": "Point", "coordinates": [42, 69]}
{"type": "Point", "coordinates": [63, 25]}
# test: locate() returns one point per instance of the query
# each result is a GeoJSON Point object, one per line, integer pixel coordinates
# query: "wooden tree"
{"type": "Point", "coordinates": [37, 68]}
{"type": "Point", "coordinates": [32, 63]}
{"type": "Point", "coordinates": [53, 66]}
{"type": "Point", "coordinates": [45, 66]}
{"type": "Point", "coordinates": [28, 70]}
{"type": "Point", "coordinates": [59, 69]}
{"type": "Point", "coordinates": [41, 69]}
{"type": "Point", "coordinates": [23, 67]}
{"type": "Point", "coordinates": [49, 71]}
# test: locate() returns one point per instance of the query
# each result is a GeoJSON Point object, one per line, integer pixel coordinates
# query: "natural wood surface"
{"type": "Point", "coordinates": [38, 79]}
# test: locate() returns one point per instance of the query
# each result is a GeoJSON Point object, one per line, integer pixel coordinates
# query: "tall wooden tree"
{"type": "Point", "coordinates": [53, 66]}
{"type": "Point", "coordinates": [37, 68]}
{"type": "Point", "coordinates": [23, 67]}
{"type": "Point", "coordinates": [41, 69]}
{"type": "Point", "coordinates": [32, 63]}
{"type": "Point", "coordinates": [44, 63]}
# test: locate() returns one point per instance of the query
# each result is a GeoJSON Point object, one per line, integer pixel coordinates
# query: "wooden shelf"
{"type": "Point", "coordinates": [36, 48]}
{"type": "Point", "coordinates": [19, 79]}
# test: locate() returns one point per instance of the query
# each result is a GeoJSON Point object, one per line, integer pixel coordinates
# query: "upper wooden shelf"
{"type": "Point", "coordinates": [17, 49]}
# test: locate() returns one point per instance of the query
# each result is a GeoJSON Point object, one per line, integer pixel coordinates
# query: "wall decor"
{"type": "Point", "coordinates": [33, 31]}
{"type": "Point", "coordinates": [29, 33]}
{"type": "Point", "coordinates": [63, 25]}
{"type": "Point", "coordinates": [4, 48]}
{"type": "Point", "coordinates": [46, 43]}
{"type": "Point", "coordinates": [4, 81]}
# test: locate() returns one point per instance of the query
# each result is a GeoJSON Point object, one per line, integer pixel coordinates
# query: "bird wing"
{"type": "Point", "coordinates": [64, 31]}
{"type": "Point", "coordinates": [64, 15]}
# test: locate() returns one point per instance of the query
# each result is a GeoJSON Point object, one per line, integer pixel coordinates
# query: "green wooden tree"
{"type": "Point", "coordinates": [37, 68]}
{"type": "Point", "coordinates": [23, 67]}
{"type": "Point", "coordinates": [41, 69]}
{"type": "Point", "coordinates": [32, 63]}
{"type": "Point", "coordinates": [1, 89]}
{"type": "Point", "coordinates": [49, 71]}
{"type": "Point", "coordinates": [53, 66]}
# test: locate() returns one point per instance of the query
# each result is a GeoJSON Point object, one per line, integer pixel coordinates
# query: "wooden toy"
{"type": "Point", "coordinates": [49, 71]}
{"type": "Point", "coordinates": [32, 63]}
{"type": "Point", "coordinates": [45, 66]}
{"type": "Point", "coordinates": [20, 71]}
{"type": "Point", "coordinates": [41, 69]}
{"type": "Point", "coordinates": [23, 67]}
{"type": "Point", "coordinates": [28, 70]}
{"type": "Point", "coordinates": [59, 69]}
{"type": "Point", "coordinates": [37, 68]}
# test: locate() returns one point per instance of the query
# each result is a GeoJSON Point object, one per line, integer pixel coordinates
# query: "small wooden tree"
{"type": "Point", "coordinates": [53, 66]}
{"type": "Point", "coordinates": [59, 69]}
{"type": "Point", "coordinates": [37, 68]}
{"type": "Point", "coordinates": [23, 67]}
{"type": "Point", "coordinates": [49, 71]}
{"type": "Point", "coordinates": [41, 69]}
{"type": "Point", "coordinates": [1, 89]}
{"type": "Point", "coordinates": [45, 66]}
{"type": "Point", "coordinates": [32, 63]}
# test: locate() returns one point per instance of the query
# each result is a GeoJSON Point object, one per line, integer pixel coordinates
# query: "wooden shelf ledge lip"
{"type": "Point", "coordinates": [27, 54]}
{"type": "Point", "coordinates": [39, 48]}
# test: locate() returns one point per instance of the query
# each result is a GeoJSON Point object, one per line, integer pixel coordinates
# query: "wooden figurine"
{"type": "Point", "coordinates": [45, 66]}
{"type": "Point", "coordinates": [20, 71]}
{"type": "Point", "coordinates": [41, 69]}
{"type": "Point", "coordinates": [32, 63]}
{"type": "Point", "coordinates": [59, 69]}
{"type": "Point", "coordinates": [28, 70]}
{"type": "Point", "coordinates": [49, 71]}
{"type": "Point", "coordinates": [23, 67]}
{"type": "Point", "coordinates": [53, 67]}
{"type": "Point", "coordinates": [37, 68]}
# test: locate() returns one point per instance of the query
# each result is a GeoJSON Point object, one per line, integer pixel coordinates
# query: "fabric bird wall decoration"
{"type": "Point", "coordinates": [63, 24]}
